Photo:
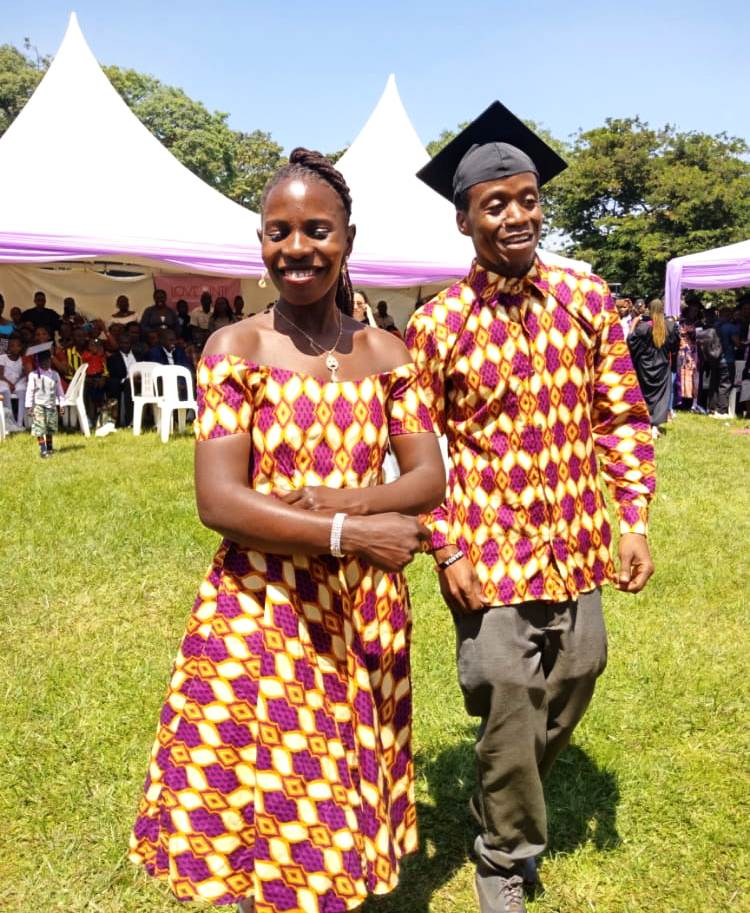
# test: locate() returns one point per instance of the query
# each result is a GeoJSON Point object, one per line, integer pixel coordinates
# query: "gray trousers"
{"type": "Point", "coordinates": [529, 672]}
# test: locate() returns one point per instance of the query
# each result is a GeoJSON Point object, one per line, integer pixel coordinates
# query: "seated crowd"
{"type": "Point", "coordinates": [162, 334]}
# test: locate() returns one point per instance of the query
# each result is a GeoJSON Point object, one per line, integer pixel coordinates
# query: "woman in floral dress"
{"type": "Point", "coordinates": [281, 778]}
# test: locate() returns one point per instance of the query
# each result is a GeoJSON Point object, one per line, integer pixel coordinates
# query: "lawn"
{"type": "Point", "coordinates": [650, 807]}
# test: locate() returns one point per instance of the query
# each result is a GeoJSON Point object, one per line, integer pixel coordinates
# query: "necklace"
{"type": "Point", "coordinates": [332, 363]}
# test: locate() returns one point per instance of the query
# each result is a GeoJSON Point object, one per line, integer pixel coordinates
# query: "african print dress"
{"type": "Point", "coordinates": [282, 768]}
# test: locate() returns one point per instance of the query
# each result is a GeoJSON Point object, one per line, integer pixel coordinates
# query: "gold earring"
{"type": "Point", "coordinates": [263, 281]}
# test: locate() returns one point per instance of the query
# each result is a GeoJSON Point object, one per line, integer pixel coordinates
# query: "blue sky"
{"type": "Point", "coordinates": [310, 73]}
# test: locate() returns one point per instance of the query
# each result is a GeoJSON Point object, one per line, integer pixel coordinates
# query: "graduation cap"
{"type": "Point", "coordinates": [494, 146]}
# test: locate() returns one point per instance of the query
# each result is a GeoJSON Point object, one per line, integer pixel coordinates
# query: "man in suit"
{"type": "Point", "coordinates": [118, 365]}
{"type": "Point", "coordinates": [167, 352]}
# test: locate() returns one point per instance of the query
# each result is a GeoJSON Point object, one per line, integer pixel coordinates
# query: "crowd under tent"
{"type": "Point", "coordinates": [709, 270]}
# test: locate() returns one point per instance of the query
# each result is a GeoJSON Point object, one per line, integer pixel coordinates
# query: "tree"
{"type": "Point", "coordinates": [256, 157]}
{"type": "Point", "coordinates": [435, 145]}
{"type": "Point", "coordinates": [198, 138]}
{"type": "Point", "coordinates": [19, 76]}
{"type": "Point", "coordinates": [634, 197]}
{"type": "Point", "coordinates": [237, 164]}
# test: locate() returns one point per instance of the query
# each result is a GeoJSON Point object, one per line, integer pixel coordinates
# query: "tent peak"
{"type": "Point", "coordinates": [73, 32]}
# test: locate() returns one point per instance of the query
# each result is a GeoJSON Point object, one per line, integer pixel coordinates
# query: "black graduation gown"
{"type": "Point", "coordinates": [652, 365]}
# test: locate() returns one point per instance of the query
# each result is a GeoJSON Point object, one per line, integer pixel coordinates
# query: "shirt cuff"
{"type": "Point", "coordinates": [633, 519]}
{"type": "Point", "coordinates": [439, 527]}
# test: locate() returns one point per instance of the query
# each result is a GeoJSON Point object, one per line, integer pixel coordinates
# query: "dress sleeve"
{"type": "Point", "coordinates": [224, 396]}
{"type": "Point", "coordinates": [405, 405]}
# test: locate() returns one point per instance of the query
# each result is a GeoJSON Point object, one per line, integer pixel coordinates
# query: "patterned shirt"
{"type": "Point", "coordinates": [531, 380]}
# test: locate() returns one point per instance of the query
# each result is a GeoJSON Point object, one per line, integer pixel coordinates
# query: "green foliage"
{"type": "Point", "coordinates": [335, 156]}
{"type": "Point", "coordinates": [648, 808]}
{"type": "Point", "coordinates": [634, 197]}
{"type": "Point", "coordinates": [19, 76]}
{"type": "Point", "coordinates": [235, 163]}
{"type": "Point", "coordinates": [255, 158]}
{"type": "Point", "coordinates": [434, 146]}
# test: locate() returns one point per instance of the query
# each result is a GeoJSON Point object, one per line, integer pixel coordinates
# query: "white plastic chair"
{"type": "Point", "coordinates": [173, 397]}
{"type": "Point", "coordinates": [74, 400]}
{"type": "Point", "coordinates": [143, 372]}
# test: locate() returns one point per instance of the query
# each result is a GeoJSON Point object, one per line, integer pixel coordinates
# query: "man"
{"type": "Point", "coordinates": [167, 352]}
{"type": "Point", "coordinates": [159, 315]}
{"type": "Point", "coordinates": [42, 316]}
{"type": "Point", "coordinates": [722, 381]}
{"type": "Point", "coordinates": [118, 365]}
{"type": "Point", "coordinates": [526, 371]}
{"type": "Point", "coordinates": [184, 325]}
{"type": "Point", "coordinates": [624, 310]}
{"type": "Point", "coordinates": [384, 319]}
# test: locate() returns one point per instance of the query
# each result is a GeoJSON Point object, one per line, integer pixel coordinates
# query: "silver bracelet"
{"type": "Point", "coordinates": [336, 529]}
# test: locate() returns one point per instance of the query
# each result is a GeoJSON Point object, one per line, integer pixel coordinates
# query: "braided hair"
{"type": "Point", "coordinates": [304, 163]}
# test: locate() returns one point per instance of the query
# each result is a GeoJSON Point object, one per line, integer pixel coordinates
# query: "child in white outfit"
{"type": "Point", "coordinates": [44, 395]}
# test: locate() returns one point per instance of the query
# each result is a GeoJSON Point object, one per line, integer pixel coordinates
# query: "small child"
{"type": "Point", "coordinates": [96, 375]}
{"type": "Point", "coordinates": [44, 395]}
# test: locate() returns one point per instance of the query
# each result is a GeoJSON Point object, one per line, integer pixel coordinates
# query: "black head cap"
{"type": "Point", "coordinates": [494, 146]}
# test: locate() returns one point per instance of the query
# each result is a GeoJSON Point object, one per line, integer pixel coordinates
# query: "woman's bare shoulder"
{"type": "Point", "coordinates": [383, 349]}
{"type": "Point", "coordinates": [242, 338]}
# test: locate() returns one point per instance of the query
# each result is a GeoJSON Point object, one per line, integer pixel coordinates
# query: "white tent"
{"type": "Point", "coordinates": [721, 267]}
{"type": "Point", "coordinates": [81, 179]}
{"type": "Point", "coordinates": [400, 221]}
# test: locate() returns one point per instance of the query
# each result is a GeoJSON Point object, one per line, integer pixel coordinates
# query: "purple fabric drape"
{"type": "Point", "coordinates": [226, 260]}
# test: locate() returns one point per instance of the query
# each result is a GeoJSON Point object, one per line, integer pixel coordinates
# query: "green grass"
{"type": "Point", "coordinates": [102, 552]}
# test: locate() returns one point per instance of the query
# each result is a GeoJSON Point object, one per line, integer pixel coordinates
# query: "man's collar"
{"type": "Point", "coordinates": [488, 285]}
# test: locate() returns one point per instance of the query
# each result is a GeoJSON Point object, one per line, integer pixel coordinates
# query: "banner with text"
{"type": "Point", "coordinates": [192, 287]}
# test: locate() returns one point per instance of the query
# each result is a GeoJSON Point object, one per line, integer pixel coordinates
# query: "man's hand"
{"type": "Point", "coordinates": [459, 584]}
{"type": "Point", "coordinates": [636, 565]}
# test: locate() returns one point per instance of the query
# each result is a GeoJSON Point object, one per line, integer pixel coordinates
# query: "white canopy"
{"type": "Point", "coordinates": [398, 217]}
{"type": "Point", "coordinates": [78, 168]}
{"type": "Point", "coordinates": [722, 267]}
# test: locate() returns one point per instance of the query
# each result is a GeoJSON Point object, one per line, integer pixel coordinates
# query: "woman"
{"type": "Point", "coordinates": [222, 315]}
{"type": "Point", "coordinates": [361, 309]}
{"type": "Point", "coordinates": [6, 328]}
{"type": "Point", "coordinates": [123, 313]}
{"type": "Point", "coordinates": [282, 773]}
{"type": "Point", "coordinates": [687, 359]}
{"type": "Point", "coordinates": [652, 345]}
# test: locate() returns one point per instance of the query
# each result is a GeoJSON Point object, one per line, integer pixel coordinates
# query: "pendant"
{"type": "Point", "coordinates": [332, 363]}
